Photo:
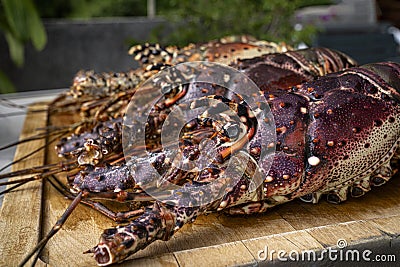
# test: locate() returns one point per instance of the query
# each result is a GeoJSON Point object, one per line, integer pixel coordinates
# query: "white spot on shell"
{"type": "Point", "coordinates": [223, 204]}
{"type": "Point", "coordinates": [314, 161]}
{"type": "Point", "coordinates": [303, 110]}
{"type": "Point", "coordinates": [226, 78]}
{"type": "Point", "coordinates": [271, 145]}
{"type": "Point", "coordinates": [268, 179]}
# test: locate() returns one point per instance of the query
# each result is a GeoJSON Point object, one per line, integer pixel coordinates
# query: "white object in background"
{"type": "Point", "coordinates": [396, 33]}
{"type": "Point", "coordinates": [346, 12]}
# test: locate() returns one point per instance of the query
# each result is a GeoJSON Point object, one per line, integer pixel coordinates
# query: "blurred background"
{"type": "Point", "coordinates": [45, 42]}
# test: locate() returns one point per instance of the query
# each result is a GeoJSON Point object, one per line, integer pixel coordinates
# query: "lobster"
{"type": "Point", "coordinates": [318, 152]}
{"type": "Point", "coordinates": [304, 147]}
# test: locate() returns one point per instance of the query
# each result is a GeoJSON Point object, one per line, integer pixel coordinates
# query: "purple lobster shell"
{"type": "Point", "coordinates": [336, 135]}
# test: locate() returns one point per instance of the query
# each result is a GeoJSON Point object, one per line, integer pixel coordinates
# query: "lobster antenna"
{"type": "Point", "coordinates": [11, 188]}
{"type": "Point", "coordinates": [57, 226]}
{"type": "Point", "coordinates": [37, 137]}
{"type": "Point", "coordinates": [21, 181]}
{"type": "Point", "coordinates": [59, 132]}
{"type": "Point", "coordinates": [60, 166]}
{"type": "Point", "coordinates": [8, 103]}
{"type": "Point", "coordinates": [29, 154]}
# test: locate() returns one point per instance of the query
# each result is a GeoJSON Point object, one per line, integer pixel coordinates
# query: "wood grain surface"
{"type": "Point", "coordinates": [372, 221]}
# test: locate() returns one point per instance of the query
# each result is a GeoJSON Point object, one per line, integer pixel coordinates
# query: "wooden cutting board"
{"type": "Point", "coordinates": [370, 222]}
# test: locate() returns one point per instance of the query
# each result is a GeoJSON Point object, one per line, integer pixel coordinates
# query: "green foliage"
{"type": "Point", "coordinates": [6, 86]}
{"type": "Point", "coordinates": [20, 23]}
{"type": "Point", "coordinates": [200, 21]}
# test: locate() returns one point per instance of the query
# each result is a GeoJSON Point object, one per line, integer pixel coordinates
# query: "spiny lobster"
{"type": "Point", "coordinates": [335, 131]}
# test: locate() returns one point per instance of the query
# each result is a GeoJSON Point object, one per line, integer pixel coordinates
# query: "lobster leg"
{"type": "Point", "coordinates": [79, 198]}
{"type": "Point", "coordinates": [115, 216]}
{"type": "Point", "coordinates": [254, 207]}
{"type": "Point", "coordinates": [158, 223]}
{"type": "Point", "coordinates": [123, 96]}
{"type": "Point", "coordinates": [335, 196]}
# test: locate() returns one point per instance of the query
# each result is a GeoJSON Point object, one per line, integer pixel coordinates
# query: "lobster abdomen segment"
{"type": "Point", "coordinates": [291, 120]}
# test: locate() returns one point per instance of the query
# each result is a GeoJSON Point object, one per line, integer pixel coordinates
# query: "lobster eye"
{"type": "Point", "coordinates": [166, 89]}
{"type": "Point", "coordinates": [232, 130]}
